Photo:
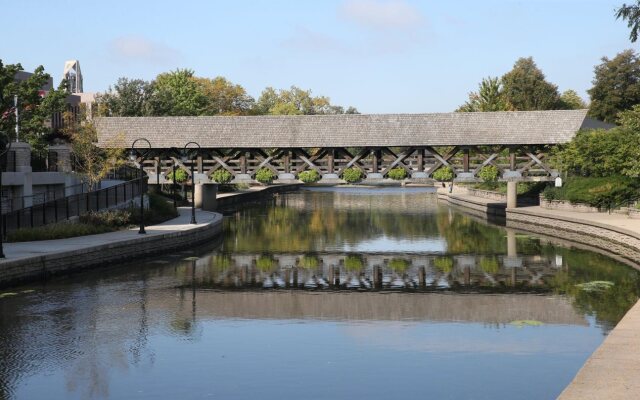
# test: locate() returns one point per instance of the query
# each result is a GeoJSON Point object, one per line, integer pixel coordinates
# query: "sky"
{"type": "Point", "coordinates": [380, 56]}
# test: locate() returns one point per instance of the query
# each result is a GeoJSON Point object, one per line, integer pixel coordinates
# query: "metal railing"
{"type": "Point", "coordinates": [67, 207]}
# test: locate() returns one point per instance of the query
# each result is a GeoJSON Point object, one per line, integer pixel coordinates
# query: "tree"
{"type": "Point", "coordinates": [127, 98]}
{"type": "Point", "coordinates": [630, 13]}
{"type": "Point", "coordinates": [616, 86]}
{"type": "Point", "coordinates": [91, 161]}
{"type": "Point", "coordinates": [489, 97]}
{"type": "Point", "coordinates": [296, 101]}
{"type": "Point", "coordinates": [225, 98]}
{"type": "Point", "coordinates": [569, 100]}
{"type": "Point", "coordinates": [177, 93]}
{"type": "Point", "coordinates": [526, 88]}
{"type": "Point", "coordinates": [33, 110]}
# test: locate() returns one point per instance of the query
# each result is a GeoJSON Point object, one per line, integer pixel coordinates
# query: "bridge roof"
{"type": "Point", "coordinates": [359, 130]}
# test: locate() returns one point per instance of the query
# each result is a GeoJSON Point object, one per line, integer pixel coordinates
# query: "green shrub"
{"type": "Point", "coordinates": [309, 176]}
{"type": "Point", "coordinates": [443, 174]}
{"type": "Point", "coordinates": [181, 176]}
{"type": "Point", "coordinates": [112, 218]}
{"type": "Point", "coordinates": [353, 263]}
{"type": "Point", "coordinates": [489, 173]}
{"type": "Point", "coordinates": [60, 230]}
{"type": "Point", "coordinates": [490, 265]}
{"type": "Point", "coordinates": [265, 176]}
{"type": "Point", "coordinates": [397, 173]}
{"type": "Point", "coordinates": [265, 263]}
{"type": "Point", "coordinates": [159, 210]}
{"type": "Point", "coordinates": [399, 264]}
{"type": "Point", "coordinates": [221, 176]}
{"type": "Point", "coordinates": [352, 175]}
{"type": "Point", "coordinates": [444, 264]}
{"type": "Point", "coordinates": [310, 262]}
{"type": "Point", "coordinates": [613, 191]}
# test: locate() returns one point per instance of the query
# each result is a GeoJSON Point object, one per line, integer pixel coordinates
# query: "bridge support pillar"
{"type": "Point", "coordinates": [205, 196]}
{"type": "Point", "coordinates": [512, 194]}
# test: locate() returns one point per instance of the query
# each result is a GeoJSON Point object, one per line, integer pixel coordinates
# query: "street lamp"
{"type": "Point", "coordinates": [133, 156]}
{"type": "Point", "coordinates": [7, 147]}
{"type": "Point", "coordinates": [185, 155]}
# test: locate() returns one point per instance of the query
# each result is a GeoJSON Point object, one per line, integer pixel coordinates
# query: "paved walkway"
{"type": "Point", "coordinates": [613, 370]}
{"type": "Point", "coordinates": [21, 250]}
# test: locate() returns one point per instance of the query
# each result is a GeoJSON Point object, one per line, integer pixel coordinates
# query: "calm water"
{"type": "Point", "coordinates": [335, 294]}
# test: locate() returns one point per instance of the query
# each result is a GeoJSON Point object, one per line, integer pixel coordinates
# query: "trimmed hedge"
{"type": "Point", "coordinates": [489, 173]}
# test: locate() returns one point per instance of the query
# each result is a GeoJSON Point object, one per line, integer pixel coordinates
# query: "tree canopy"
{"type": "Point", "coordinates": [631, 14]}
{"type": "Point", "coordinates": [616, 86]}
{"type": "Point", "coordinates": [489, 97]}
{"type": "Point", "coordinates": [570, 100]}
{"type": "Point", "coordinates": [180, 92]}
{"type": "Point", "coordinates": [526, 88]}
{"type": "Point", "coordinates": [34, 108]}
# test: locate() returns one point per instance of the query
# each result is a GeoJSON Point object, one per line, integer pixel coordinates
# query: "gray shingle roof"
{"type": "Point", "coordinates": [498, 128]}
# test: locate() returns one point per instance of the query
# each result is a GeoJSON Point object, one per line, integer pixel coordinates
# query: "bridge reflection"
{"type": "Point", "coordinates": [378, 271]}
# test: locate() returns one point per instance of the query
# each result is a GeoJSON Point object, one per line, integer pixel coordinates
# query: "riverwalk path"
{"type": "Point", "coordinates": [21, 250]}
{"type": "Point", "coordinates": [613, 370]}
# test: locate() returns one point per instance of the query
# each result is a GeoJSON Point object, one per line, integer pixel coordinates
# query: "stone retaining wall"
{"type": "Point", "coordinates": [616, 240]}
{"type": "Point", "coordinates": [565, 205]}
{"type": "Point", "coordinates": [493, 209]}
{"type": "Point", "coordinates": [41, 267]}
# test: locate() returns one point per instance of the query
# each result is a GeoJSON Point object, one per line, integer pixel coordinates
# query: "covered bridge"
{"type": "Point", "coordinates": [514, 142]}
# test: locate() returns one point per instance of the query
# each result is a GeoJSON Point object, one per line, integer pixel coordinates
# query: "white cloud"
{"type": "Point", "coordinates": [139, 49]}
{"type": "Point", "coordinates": [382, 15]}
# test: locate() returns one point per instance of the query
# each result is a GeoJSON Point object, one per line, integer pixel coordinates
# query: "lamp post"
{"type": "Point", "coordinates": [133, 157]}
{"type": "Point", "coordinates": [2, 163]}
{"type": "Point", "coordinates": [185, 155]}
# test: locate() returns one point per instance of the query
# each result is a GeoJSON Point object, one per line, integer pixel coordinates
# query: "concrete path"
{"type": "Point", "coordinates": [21, 250]}
{"type": "Point", "coordinates": [613, 370]}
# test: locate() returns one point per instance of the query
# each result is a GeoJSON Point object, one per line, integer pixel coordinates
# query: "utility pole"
{"type": "Point", "coordinates": [15, 106]}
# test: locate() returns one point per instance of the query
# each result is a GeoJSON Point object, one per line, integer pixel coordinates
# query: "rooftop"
{"type": "Point", "coordinates": [351, 130]}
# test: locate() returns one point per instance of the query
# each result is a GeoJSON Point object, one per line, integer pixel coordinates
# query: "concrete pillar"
{"type": "Point", "coordinates": [512, 194]}
{"type": "Point", "coordinates": [512, 244]}
{"type": "Point", "coordinates": [23, 156]}
{"type": "Point", "coordinates": [205, 196]}
{"type": "Point", "coordinates": [63, 152]}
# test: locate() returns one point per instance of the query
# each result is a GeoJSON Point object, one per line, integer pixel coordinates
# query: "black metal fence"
{"type": "Point", "coordinates": [64, 208]}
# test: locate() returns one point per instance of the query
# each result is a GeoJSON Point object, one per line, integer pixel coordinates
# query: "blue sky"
{"type": "Point", "coordinates": [377, 55]}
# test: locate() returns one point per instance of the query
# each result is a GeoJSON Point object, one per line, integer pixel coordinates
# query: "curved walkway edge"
{"type": "Point", "coordinates": [29, 261]}
{"type": "Point", "coordinates": [613, 370]}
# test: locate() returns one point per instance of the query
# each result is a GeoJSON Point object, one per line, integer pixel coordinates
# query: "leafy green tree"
{"type": "Point", "coordinates": [604, 153]}
{"type": "Point", "coordinates": [225, 98]}
{"type": "Point", "coordinates": [34, 108]}
{"type": "Point", "coordinates": [177, 93]}
{"type": "Point", "coordinates": [631, 14]}
{"type": "Point", "coordinates": [616, 86]}
{"type": "Point", "coordinates": [526, 88]}
{"type": "Point", "coordinates": [570, 100]}
{"type": "Point", "coordinates": [296, 101]}
{"type": "Point", "coordinates": [127, 98]}
{"type": "Point", "coordinates": [489, 97]}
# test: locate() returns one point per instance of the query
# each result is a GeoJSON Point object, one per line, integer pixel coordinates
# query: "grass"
{"type": "Point", "coordinates": [98, 222]}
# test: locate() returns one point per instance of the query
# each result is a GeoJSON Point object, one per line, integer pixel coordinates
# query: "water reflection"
{"type": "Point", "coordinates": [359, 289]}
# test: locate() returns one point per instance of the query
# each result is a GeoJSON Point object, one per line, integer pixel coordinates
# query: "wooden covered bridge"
{"type": "Point", "coordinates": [517, 143]}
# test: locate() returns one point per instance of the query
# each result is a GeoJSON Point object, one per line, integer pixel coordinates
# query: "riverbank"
{"type": "Point", "coordinates": [613, 369]}
{"type": "Point", "coordinates": [30, 261]}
